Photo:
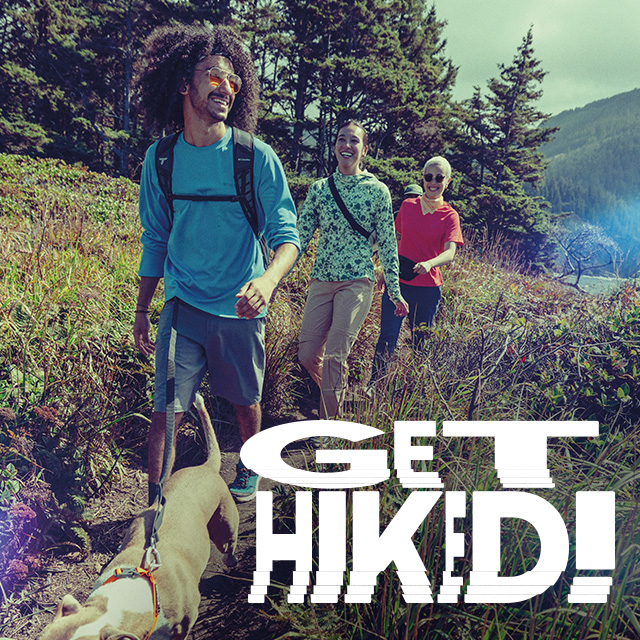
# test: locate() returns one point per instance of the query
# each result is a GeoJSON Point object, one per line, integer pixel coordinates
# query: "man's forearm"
{"type": "Point", "coordinates": [146, 289]}
{"type": "Point", "coordinates": [283, 259]}
{"type": "Point", "coordinates": [254, 295]}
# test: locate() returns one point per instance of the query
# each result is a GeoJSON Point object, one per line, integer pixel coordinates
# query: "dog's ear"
{"type": "Point", "coordinates": [111, 633]}
{"type": "Point", "coordinates": [68, 606]}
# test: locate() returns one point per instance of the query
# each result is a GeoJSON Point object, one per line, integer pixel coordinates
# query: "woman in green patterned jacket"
{"type": "Point", "coordinates": [342, 278]}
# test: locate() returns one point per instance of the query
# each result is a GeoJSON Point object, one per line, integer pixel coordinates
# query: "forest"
{"type": "Point", "coordinates": [593, 170]}
{"type": "Point", "coordinates": [67, 90]}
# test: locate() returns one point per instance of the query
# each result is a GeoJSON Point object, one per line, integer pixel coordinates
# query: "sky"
{"type": "Point", "coordinates": [590, 48]}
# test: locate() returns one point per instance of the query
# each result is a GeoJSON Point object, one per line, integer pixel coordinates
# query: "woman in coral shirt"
{"type": "Point", "coordinates": [429, 232]}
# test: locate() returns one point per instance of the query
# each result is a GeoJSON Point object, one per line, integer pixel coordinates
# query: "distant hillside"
{"type": "Point", "coordinates": [595, 168]}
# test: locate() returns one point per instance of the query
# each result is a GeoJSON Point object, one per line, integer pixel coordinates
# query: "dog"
{"type": "Point", "coordinates": [124, 606]}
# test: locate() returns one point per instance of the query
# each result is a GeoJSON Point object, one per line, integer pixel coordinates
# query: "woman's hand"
{"type": "Point", "coordinates": [422, 267]}
{"type": "Point", "coordinates": [402, 308]}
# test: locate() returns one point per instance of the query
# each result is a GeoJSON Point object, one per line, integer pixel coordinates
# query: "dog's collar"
{"type": "Point", "coordinates": [139, 572]}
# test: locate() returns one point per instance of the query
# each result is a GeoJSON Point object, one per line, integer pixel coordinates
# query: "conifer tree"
{"type": "Point", "coordinates": [24, 28]}
{"type": "Point", "coordinates": [515, 120]}
{"type": "Point", "coordinates": [380, 61]}
{"type": "Point", "coordinates": [501, 151]}
{"type": "Point", "coordinates": [65, 75]}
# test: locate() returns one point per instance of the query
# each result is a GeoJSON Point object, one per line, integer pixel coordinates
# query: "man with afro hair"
{"type": "Point", "coordinates": [201, 81]}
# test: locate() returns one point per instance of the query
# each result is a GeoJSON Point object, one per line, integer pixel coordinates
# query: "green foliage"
{"type": "Point", "coordinates": [396, 173]}
{"type": "Point", "coordinates": [512, 117]}
{"type": "Point", "coordinates": [380, 62]}
{"type": "Point", "coordinates": [69, 375]}
{"type": "Point", "coordinates": [507, 209]}
{"type": "Point", "coordinates": [66, 80]}
{"type": "Point", "coordinates": [65, 77]}
{"type": "Point", "coordinates": [506, 346]}
{"type": "Point", "coordinates": [9, 484]}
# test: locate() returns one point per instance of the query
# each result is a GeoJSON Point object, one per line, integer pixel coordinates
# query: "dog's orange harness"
{"type": "Point", "coordinates": [142, 573]}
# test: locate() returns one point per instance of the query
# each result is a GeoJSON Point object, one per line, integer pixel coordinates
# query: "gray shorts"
{"type": "Point", "coordinates": [231, 348]}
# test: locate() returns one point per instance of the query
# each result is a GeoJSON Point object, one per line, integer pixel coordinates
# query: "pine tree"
{"type": "Point", "coordinates": [21, 88]}
{"type": "Point", "coordinates": [501, 153]}
{"type": "Point", "coordinates": [65, 75]}
{"type": "Point", "coordinates": [517, 135]}
{"type": "Point", "coordinates": [380, 61]}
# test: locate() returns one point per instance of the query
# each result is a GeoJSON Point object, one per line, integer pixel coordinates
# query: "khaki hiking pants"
{"type": "Point", "coordinates": [333, 315]}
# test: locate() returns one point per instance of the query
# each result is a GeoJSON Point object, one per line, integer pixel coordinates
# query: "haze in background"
{"type": "Point", "coordinates": [590, 48]}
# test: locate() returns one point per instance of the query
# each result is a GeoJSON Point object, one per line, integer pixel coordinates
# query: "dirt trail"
{"type": "Point", "coordinates": [224, 608]}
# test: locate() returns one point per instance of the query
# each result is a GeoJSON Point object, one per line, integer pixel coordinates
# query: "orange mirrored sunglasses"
{"type": "Point", "coordinates": [217, 76]}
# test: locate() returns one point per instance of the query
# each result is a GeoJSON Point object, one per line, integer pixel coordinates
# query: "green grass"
{"type": "Point", "coordinates": [75, 398]}
{"type": "Point", "coordinates": [508, 346]}
{"type": "Point", "coordinates": [70, 382]}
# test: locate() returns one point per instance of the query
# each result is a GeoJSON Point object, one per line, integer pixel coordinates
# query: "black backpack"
{"type": "Point", "coordinates": [243, 156]}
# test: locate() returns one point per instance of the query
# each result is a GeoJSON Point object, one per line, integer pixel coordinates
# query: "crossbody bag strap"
{"type": "Point", "coordinates": [345, 212]}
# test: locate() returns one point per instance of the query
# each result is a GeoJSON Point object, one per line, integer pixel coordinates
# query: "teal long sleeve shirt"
{"type": "Point", "coordinates": [208, 251]}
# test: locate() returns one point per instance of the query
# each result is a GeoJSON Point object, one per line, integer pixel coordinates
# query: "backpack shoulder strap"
{"type": "Point", "coordinates": [243, 160]}
{"type": "Point", "coordinates": [164, 166]}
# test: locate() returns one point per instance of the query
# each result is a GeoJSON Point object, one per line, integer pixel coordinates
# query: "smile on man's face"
{"type": "Point", "coordinates": [211, 103]}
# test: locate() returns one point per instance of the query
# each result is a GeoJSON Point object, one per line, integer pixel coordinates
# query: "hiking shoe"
{"type": "Point", "coordinates": [245, 485]}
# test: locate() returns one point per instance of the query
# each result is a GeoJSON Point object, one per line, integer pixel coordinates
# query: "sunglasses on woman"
{"type": "Point", "coordinates": [428, 177]}
{"type": "Point", "coordinates": [217, 76]}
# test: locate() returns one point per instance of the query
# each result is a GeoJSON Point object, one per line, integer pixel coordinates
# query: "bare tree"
{"type": "Point", "coordinates": [582, 248]}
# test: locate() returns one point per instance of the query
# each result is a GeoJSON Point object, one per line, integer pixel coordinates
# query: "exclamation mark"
{"type": "Point", "coordinates": [595, 545]}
